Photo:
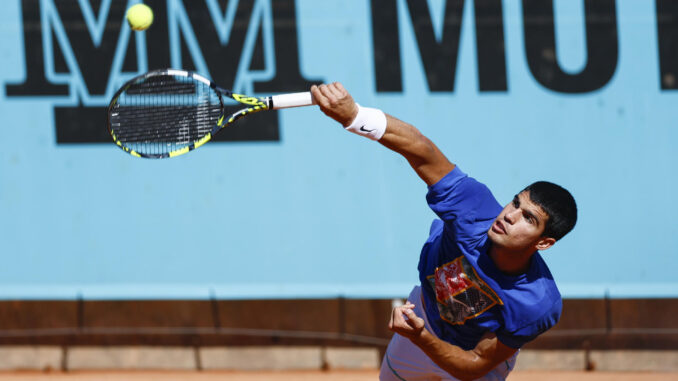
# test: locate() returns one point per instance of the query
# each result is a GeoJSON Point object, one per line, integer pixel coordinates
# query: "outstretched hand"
{"type": "Point", "coordinates": [405, 322]}
{"type": "Point", "coordinates": [335, 102]}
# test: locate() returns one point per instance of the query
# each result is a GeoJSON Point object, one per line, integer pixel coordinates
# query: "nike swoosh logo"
{"type": "Point", "coordinates": [363, 129]}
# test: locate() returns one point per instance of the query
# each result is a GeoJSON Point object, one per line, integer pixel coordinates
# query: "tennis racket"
{"type": "Point", "coordinates": [166, 113]}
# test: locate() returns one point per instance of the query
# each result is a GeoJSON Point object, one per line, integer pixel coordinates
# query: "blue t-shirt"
{"type": "Point", "coordinates": [465, 294]}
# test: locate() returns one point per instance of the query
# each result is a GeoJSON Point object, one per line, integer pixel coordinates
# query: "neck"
{"type": "Point", "coordinates": [510, 262]}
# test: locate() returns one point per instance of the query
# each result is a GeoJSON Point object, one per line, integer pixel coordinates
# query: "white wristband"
{"type": "Point", "coordinates": [370, 122]}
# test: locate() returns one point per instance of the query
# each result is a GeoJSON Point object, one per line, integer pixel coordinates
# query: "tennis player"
{"type": "Point", "coordinates": [485, 290]}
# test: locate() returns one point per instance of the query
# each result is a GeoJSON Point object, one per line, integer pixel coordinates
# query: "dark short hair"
{"type": "Point", "coordinates": [558, 203]}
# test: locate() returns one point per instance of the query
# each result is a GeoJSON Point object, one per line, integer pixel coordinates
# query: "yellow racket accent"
{"type": "Point", "coordinates": [202, 141]}
{"type": "Point", "coordinates": [252, 101]}
{"type": "Point", "coordinates": [129, 151]}
{"type": "Point", "coordinates": [179, 152]}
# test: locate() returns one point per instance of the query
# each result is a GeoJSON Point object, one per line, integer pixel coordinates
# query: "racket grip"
{"type": "Point", "coordinates": [291, 100]}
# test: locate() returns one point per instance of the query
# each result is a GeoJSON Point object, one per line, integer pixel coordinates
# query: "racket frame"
{"type": "Point", "coordinates": [252, 105]}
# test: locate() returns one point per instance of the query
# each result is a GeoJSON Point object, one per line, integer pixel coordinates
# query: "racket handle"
{"type": "Point", "coordinates": [291, 100]}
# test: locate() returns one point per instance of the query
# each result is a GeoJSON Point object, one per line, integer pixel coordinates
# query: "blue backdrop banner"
{"type": "Point", "coordinates": [286, 204]}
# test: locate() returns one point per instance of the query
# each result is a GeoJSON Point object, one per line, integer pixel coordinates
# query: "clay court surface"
{"type": "Point", "coordinates": [314, 375]}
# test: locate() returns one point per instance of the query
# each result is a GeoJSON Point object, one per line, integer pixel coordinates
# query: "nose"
{"type": "Point", "coordinates": [511, 216]}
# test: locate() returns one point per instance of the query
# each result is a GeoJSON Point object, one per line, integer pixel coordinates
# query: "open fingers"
{"type": "Point", "coordinates": [400, 315]}
{"type": "Point", "coordinates": [398, 319]}
{"type": "Point", "coordinates": [409, 313]}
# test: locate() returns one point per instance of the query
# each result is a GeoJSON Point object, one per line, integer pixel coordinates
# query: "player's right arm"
{"type": "Point", "coordinates": [424, 157]}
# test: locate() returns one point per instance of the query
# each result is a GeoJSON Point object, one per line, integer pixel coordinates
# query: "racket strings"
{"type": "Point", "coordinates": [165, 113]}
{"type": "Point", "coordinates": [155, 127]}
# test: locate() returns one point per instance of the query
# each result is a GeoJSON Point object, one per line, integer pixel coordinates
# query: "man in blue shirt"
{"type": "Point", "coordinates": [485, 290]}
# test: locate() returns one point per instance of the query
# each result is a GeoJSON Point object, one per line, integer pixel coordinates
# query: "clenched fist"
{"type": "Point", "coordinates": [335, 102]}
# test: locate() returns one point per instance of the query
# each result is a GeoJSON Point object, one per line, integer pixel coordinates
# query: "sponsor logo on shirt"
{"type": "Point", "coordinates": [461, 294]}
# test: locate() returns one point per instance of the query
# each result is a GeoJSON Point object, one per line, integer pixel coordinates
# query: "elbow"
{"type": "Point", "coordinates": [477, 369]}
{"type": "Point", "coordinates": [423, 151]}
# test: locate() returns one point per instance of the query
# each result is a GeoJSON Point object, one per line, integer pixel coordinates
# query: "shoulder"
{"type": "Point", "coordinates": [455, 181]}
{"type": "Point", "coordinates": [458, 191]}
{"type": "Point", "coordinates": [532, 307]}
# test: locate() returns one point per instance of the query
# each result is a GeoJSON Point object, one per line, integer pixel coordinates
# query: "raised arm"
{"type": "Point", "coordinates": [424, 157]}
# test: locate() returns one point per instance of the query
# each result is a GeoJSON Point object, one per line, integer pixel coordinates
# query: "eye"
{"type": "Point", "coordinates": [529, 218]}
{"type": "Point", "coordinates": [516, 202]}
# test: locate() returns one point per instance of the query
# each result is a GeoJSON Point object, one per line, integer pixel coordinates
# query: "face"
{"type": "Point", "coordinates": [520, 226]}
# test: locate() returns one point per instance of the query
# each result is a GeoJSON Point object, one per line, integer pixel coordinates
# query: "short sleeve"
{"type": "Point", "coordinates": [529, 332]}
{"type": "Point", "coordinates": [463, 203]}
{"type": "Point", "coordinates": [517, 339]}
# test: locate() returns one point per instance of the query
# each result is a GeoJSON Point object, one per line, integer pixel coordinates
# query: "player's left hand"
{"type": "Point", "coordinates": [405, 322]}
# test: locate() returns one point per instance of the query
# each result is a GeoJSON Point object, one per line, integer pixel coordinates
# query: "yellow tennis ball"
{"type": "Point", "coordinates": [140, 16]}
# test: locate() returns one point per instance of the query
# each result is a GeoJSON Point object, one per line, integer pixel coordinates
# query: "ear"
{"type": "Point", "coordinates": [544, 243]}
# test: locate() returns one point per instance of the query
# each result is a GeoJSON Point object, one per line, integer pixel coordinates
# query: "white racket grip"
{"type": "Point", "coordinates": [291, 100]}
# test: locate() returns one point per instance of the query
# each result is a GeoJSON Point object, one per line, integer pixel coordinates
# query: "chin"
{"type": "Point", "coordinates": [500, 241]}
{"type": "Point", "coordinates": [494, 238]}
